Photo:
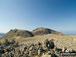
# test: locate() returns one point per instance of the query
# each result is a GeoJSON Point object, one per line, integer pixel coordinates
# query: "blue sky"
{"type": "Point", "coordinates": [59, 15]}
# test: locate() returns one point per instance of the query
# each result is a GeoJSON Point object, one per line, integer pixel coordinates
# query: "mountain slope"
{"type": "Point", "coordinates": [43, 31]}
{"type": "Point", "coordinates": [17, 33]}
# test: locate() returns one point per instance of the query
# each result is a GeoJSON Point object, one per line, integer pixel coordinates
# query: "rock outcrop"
{"type": "Point", "coordinates": [43, 31]}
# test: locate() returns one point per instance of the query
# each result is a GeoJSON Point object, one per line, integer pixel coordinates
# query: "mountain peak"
{"type": "Point", "coordinates": [42, 31]}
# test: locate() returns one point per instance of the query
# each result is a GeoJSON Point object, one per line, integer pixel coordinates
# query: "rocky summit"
{"type": "Point", "coordinates": [39, 49]}
{"type": "Point", "coordinates": [43, 31]}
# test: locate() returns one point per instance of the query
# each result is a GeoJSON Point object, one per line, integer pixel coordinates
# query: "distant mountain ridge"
{"type": "Point", "coordinates": [69, 33]}
{"type": "Point", "coordinates": [2, 34]}
{"type": "Point", "coordinates": [25, 33]}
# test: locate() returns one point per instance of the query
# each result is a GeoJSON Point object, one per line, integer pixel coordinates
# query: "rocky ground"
{"type": "Point", "coordinates": [60, 41]}
{"type": "Point", "coordinates": [39, 46]}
